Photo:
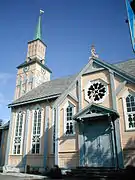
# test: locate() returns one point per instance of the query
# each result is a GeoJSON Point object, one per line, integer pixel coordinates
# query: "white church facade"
{"type": "Point", "coordinates": [87, 119]}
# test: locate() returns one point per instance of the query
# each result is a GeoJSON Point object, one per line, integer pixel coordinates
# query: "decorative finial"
{"type": "Point", "coordinates": [93, 52]}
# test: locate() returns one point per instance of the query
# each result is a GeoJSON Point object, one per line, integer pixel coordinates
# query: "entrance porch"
{"type": "Point", "coordinates": [97, 136]}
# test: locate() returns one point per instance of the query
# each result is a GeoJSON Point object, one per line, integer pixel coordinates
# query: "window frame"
{"type": "Point", "coordinates": [22, 132]}
{"type": "Point", "coordinates": [126, 113]}
{"type": "Point", "coordinates": [65, 118]}
{"type": "Point", "coordinates": [37, 134]}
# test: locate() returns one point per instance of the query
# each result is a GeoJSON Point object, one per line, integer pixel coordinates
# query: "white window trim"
{"type": "Point", "coordinates": [22, 136]}
{"type": "Point", "coordinates": [65, 118]}
{"type": "Point", "coordinates": [41, 130]}
{"type": "Point", "coordinates": [126, 113]}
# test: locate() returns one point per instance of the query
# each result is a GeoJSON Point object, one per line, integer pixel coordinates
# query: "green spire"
{"type": "Point", "coordinates": [38, 34]}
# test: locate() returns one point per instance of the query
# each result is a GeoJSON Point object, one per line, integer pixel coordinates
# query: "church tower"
{"type": "Point", "coordinates": [33, 71]}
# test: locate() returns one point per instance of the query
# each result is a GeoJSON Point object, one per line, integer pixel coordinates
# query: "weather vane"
{"type": "Point", "coordinates": [93, 52]}
{"type": "Point", "coordinates": [41, 12]}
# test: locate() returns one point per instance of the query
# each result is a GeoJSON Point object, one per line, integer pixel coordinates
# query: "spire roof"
{"type": "Point", "coordinates": [38, 34]}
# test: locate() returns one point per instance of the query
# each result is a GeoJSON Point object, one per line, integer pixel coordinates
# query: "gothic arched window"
{"type": "Point", "coordinates": [18, 133]}
{"type": "Point", "coordinates": [130, 105]}
{"type": "Point", "coordinates": [69, 126]}
{"type": "Point", "coordinates": [36, 132]}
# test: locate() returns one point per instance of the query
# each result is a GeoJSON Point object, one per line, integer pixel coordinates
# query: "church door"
{"type": "Point", "coordinates": [98, 144]}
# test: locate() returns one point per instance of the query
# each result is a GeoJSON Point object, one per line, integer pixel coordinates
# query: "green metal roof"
{"type": "Point", "coordinates": [38, 34]}
{"type": "Point", "coordinates": [33, 61]}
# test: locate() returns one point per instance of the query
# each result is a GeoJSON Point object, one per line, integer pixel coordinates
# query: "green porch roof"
{"type": "Point", "coordinates": [95, 110]}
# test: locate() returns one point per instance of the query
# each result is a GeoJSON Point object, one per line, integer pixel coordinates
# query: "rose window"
{"type": "Point", "coordinates": [96, 91]}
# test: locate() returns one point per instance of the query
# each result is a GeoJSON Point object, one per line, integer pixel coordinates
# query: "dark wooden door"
{"type": "Point", "coordinates": [98, 144]}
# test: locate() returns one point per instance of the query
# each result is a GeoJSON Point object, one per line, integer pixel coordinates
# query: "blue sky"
{"type": "Point", "coordinates": [69, 27]}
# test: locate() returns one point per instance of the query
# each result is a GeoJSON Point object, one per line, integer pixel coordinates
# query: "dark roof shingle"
{"type": "Point", "coordinates": [127, 66]}
{"type": "Point", "coordinates": [46, 89]}
{"type": "Point", "coordinates": [58, 86]}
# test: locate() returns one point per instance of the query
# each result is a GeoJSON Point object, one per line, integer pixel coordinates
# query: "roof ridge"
{"type": "Point", "coordinates": [124, 61]}
{"type": "Point", "coordinates": [113, 66]}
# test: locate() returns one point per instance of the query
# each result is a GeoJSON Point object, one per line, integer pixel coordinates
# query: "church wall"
{"type": "Point", "coordinates": [41, 75]}
{"type": "Point", "coordinates": [117, 81]}
{"type": "Point", "coordinates": [68, 159]}
{"type": "Point", "coordinates": [35, 75]}
{"type": "Point", "coordinates": [12, 133]}
{"type": "Point", "coordinates": [3, 146]}
{"type": "Point", "coordinates": [127, 136]}
{"type": "Point", "coordinates": [36, 49]}
{"type": "Point", "coordinates": [20, 79]}
{"type": "Point", "coordinates": [68, 144]}
{"type": "Point", "coordinates": [39, 157]}
{"type": "Point", "coordinates": [16, 160]}
{"type": "Point", "coordinates": [102, 75]}
{"type": "Point", "coordinates": [34, 160]}
{"type": "Point", "coordinates": [50, 155]}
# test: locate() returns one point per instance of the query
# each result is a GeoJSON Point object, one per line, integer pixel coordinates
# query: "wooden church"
{"type": "Point", "coordinates": [87, 119]}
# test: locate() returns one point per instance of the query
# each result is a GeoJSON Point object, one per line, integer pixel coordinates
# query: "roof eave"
{"type": "Point", "coordinates": [32, 101]}
{"type": "Point", "coordinates": [33, 61]}
{"type": "Point", "coordinates": [117, 71]}
{"type": "Point", "coordinates": [108, 110]}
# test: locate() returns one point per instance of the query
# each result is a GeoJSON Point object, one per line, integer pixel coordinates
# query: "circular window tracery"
{"type": "Point", "coordinates": [96, 91]}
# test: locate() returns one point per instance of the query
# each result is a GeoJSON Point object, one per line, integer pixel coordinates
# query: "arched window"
{"type": "Point", "coordinates": [18, 133]}
{"type": "Point", "coordinates": [19, 81]}
{"type": "Point", "coordinates": [130, 104]}
{"type": "Point", "coordinates": [30, 81]}
{"type": "Point", "coordinates": [69, 121]}
{"type": "Point", "coordinates": [36, 132]}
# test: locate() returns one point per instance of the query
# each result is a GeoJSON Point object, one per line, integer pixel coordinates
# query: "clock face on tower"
{"type": "Point", "coordinates": [26, 68]}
